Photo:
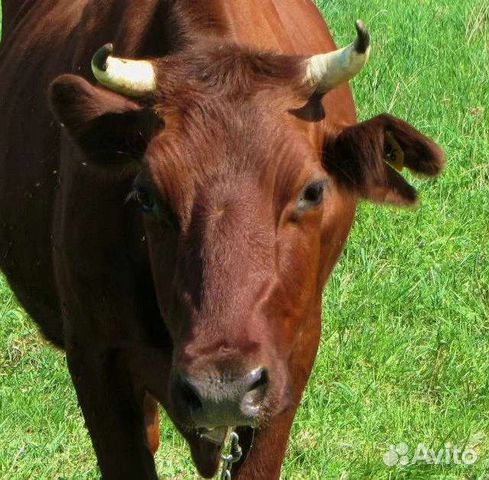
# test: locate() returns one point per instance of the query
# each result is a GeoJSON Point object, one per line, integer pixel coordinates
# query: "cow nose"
{"type": "Point", "coordinates": [224, 400]}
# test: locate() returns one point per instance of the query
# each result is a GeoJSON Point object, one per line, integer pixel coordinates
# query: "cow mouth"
{"type": "Point", "coordinates": [216, 435]}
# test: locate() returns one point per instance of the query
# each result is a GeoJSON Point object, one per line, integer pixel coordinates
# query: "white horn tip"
{"type": "Point", "coordinates": [326, 71]}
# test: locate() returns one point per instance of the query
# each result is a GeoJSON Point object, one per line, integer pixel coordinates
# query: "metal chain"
{"type": "Point", "coordinates": [235, 453]}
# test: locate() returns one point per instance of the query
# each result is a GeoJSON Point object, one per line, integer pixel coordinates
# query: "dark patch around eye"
{"type": "Point", "coordinates": [312, 195]}
{"type": "Point", "coordinates": [314, 192]}
{"type": "Point", "coordinates": [151, 203]}
{"type": "Point", "coordinates": [143, 193]}
{"type": "Point", "coordinates": [145, 198]}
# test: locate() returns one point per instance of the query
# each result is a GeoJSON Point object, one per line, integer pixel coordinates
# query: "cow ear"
{"type": "Point", "coordinates": [108, 127]}
{"type": "Point", "coordinates": [364, 158]}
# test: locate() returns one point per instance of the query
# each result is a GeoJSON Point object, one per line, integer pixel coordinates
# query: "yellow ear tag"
{"type": "Point", "coordinates": [395, 156]}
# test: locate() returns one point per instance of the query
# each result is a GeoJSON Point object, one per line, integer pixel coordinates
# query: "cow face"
{"type": "Point", "coordinates": [246, 210]}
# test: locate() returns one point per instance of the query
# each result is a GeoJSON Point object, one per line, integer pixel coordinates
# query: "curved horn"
{"type": "Point", "coordinates": [134, 78]}
{"type": "Point", "coordinates": [328, 70]}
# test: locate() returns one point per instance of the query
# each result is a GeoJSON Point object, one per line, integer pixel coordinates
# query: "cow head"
{"type": "Point", "coordinates": [246, 206]}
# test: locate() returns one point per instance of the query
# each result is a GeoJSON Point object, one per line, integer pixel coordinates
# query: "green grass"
{"type": "Point", "coordinates": [405, 349]}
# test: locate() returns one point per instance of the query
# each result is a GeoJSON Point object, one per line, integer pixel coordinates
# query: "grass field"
{"type": "Point", "coordinates": [405, 349]}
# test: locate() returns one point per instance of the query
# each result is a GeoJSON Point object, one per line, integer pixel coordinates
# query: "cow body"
{"type": "Point", "coordinates": [95, 273]}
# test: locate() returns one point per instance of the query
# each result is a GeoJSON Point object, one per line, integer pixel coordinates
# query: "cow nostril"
{"type": "Point", "coordinates": [190, 394]}
{"type": "Point", "coordinates": [256, 389]}
{"type": "Point", "coordinates": [259, 379]}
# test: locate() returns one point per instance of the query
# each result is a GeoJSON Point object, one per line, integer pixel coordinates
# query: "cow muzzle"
{"type": "Point", "coordinates": [215, 401]}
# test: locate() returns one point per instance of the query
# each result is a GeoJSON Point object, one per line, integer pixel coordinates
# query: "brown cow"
{"type": "Point", "coordinates": [175, 236]}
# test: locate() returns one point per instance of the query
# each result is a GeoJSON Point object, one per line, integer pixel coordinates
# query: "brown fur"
{"type": "Point", "coordinates": [227, 272]}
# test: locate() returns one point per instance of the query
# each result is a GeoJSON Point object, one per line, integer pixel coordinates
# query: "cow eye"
{"type": "Point", "coordinates": [145, 198]}
{"type": "Point", "coordinates": [312, 195]}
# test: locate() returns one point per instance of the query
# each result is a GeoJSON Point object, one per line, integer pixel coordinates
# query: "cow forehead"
{"type": "Point", "coordinates": [238, 131]}
{"type": "Point", "coordinates": [228, 70]}
{"type": "Point", "coordinates": [232, 149]}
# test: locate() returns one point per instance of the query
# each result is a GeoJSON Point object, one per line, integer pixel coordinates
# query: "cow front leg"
{"type": "Point", "coordinates": [113, 416]}
{"type": "Point", "coordinates": [152, 422]}
{"type": "Point", "coordinates": [267, 452]}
